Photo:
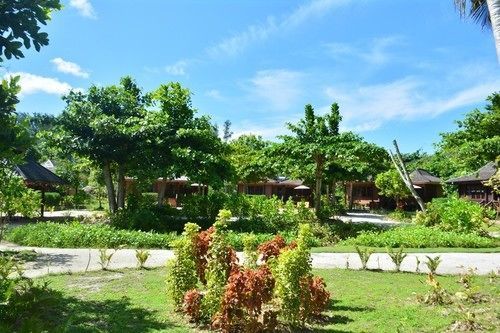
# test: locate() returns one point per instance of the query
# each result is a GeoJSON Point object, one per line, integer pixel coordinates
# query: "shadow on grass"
{"type": "Point", "coordinates": [60, 313]}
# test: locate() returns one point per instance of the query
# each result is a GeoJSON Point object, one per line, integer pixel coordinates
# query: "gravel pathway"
{"type": "Point", "coordinates": [54, 261]}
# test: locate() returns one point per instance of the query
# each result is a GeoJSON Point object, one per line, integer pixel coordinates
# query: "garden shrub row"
{"type": "Point", "coordinates": [420, 237]}
{"type": "Point", "coordinates": [76, 235]}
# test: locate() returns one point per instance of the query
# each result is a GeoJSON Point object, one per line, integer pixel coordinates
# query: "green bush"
{"type": "Point", "coordinates": [419, 237]}
{"type": "Point", "coordinates": [454, 214]}
{"type": "Point", "coordinates": [53, 199]}
{"type": "Point", "coordinates": [75, 234]}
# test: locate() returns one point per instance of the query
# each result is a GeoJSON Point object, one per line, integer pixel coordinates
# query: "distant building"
{"type": "Point", "coordinates": [39, 178]}
{"type": "Point", "coordinates": [472, 186]}
{"type": "Point", "coordinates": [280, 187]}
{"type": "Point", "coordinates": [364, 194]}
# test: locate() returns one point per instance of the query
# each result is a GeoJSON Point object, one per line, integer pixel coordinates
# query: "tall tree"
{"type": "Point", "coordinates": [105, 125]}
{"type": "Point", "coordinates": [226, 131]}
{"type": "Point", "coordinates": [473, 144]}
{"type": "Point", "coordinates": [20, 23]}
{"type": "Point", "coordinates": [249, 158]}
{"type": "Point", "coordinates": [313, 144]}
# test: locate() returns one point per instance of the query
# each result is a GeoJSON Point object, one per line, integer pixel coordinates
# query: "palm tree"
{"type": "Point", "coordinates": [485, 12]}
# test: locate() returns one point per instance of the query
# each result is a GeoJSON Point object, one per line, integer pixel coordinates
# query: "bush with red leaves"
{"type": "Point", "coordinates": [245, 294]}
{"type": "Point", "coordinates": [192, 304]}
{"type": "Point", "coordinates": [202, 244]}
{"type": "Point", "coordinates": [273, 247]}
{"type": "Point", "coordinates": [314, 297]}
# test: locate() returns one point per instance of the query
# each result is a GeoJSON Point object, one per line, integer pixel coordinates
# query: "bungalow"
{"type": "Point", "coordinates": [472, 186]}
{"type": "Point", "coordinates": [280, 187]}
{"type": "Point", "coordinates": [39, 178]}
{"type": "Point", "coordinates": [364, 194]}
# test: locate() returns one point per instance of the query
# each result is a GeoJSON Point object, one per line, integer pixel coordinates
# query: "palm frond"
{"type": "Point", "coordinates": [477, 10]}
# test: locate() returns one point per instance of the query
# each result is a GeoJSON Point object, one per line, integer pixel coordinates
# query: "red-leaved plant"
{"type": "Point", "coordinates": [314, 297]}
{"type": "Point", "coordinates": [273, 247]}
{"type": "Point", "coordinates": [245, 294]}
{"type": "Point", "coordinates": [202, 244]}
{"type": "Point", "coordinates": [192, 304]}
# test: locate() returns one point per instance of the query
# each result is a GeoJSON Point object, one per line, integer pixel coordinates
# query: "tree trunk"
{"type": "Point", "coordinates": [494, 9]}
{"type": "Point", "coordinates": [106, 170]}
{"type": "Point", "coordinates": [400, 166]}
{"type": "Point", "coordinates": [161, 192]}
{"type": "Point", "coordinates": [120, 200]}
{"type": "Point", "coordinates": [319, 179]}
{"type": "Point", "coordinates": [42, 204]}
{"type": "Point", "coordinates": [333, 198]}
{"type": "Point", "coordinates": [349, 196]}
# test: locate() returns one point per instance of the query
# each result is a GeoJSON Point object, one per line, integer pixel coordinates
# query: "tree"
{"type": "Point", "coordinates": [226, 131]}
{"type": "Point", "coordinates": [475, 143]}
{"type": "Point", "coordinates": [248, 156]}
{"type": "Point", "coordinates": [106, 125]}
{"type": "Point", "coordinates": [313, 144]}
{"type": "Point", "coordinates": [20, 22]}
{"type": "Point", "coordinates": [485, 12]}
{"type": "Point", "coordinates": [15, 197]}
{"type": "Point", "coordinates": [391, 185]}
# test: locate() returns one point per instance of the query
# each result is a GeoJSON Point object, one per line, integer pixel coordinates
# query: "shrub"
{"type": "Point", "coordinates": [419, 237]}
{"type": "Point", "coordinates": [221, 261]}
{"type": "Point", "coordinates": [105, 258]}
{"type": "Point", "coordinates": [437, 295]}
{"type": "Point", "coordinates": [292, 271]}
{"type": "Point", "coordinates": [79, 235]}
{"type": "Point", "coordinates": [250, 244]}
{"type": "Point", "coordinates": [192, 304]}
{"type": "Point", "coordinates": [181, 270]}
{"type": "Point", "coordinates": [273, 248]}
{"type": "Point", "coordinates": [454, 214]}
{"type": "Point", "coordinates": [52, 199]}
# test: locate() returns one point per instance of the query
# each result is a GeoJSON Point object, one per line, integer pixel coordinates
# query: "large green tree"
{"type": "Point", "coordinates": [473, 144]}
{"type": "Point", "coordinates": [20, 23]}
{"type": "Point", "coordinates": [249, 158]}
{"type": "Point", "coordinates": [105, 125]}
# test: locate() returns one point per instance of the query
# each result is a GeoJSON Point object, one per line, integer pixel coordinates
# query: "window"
{"type": "Point", "coordinates": [255, 189]}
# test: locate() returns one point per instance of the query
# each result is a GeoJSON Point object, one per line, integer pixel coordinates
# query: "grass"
{"type": "Point", "coordinates": [363, 301]}
{"type": "Point", "coordinates": [351, 249]}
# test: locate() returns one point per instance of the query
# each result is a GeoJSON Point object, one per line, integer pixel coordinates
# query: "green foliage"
{"type": "Point", "coordinates": [80, 235]}
{"type": "Point", "coordinates": [433, 263]}
{"type": "Point", "coordinates": [250, 244]}
{"type": "Point", "coordinates": [218, 266]}
{"type": "Point", "coordinates": [397, 257]}
{"type": "Point", "coordinates": [142, 256]}
{"type": "Point", "coordinates": [419, 237]}
{"type": "Point", "coordinates": [289, 268]}
{"type": "Point", "coordinates": [391, 185]}
{"type": "Point", "coordinates": [364, 255]}
{"type": "Point", "coordinates": [455, 214]}
{"type": "Point", "coordinates": [249, 160]}
{"type": "Point", "coordinates": [474, 143]}
{"type": "Point", "coordinates": [181, 270]}
{"type": "Point", "coordinates": [21, 21]}
{"type": "Point", "coordinates": [400, 215]}
{"type": "Point", "coordinates": [52, 199]}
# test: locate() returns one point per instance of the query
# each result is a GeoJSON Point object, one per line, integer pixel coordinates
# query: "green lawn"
{"type": "Point", "coordinates": [348, 249]}
{"type": "Point", "coordinates": [363, 301]}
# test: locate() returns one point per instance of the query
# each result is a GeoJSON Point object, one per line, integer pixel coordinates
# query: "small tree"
{"type": "Point", "coordinates": [391, 185]}
{"type": "Point", "coordinates": [15, 197]}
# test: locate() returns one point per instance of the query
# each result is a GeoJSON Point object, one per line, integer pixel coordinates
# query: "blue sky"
{"type": "Point", "coordinates": [398, 69]}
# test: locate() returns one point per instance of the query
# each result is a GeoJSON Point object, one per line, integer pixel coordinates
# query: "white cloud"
{"type": "Point", "coordinates": [368, 107]}
{"type": "Point", "coordinates": [69, 67]}
{"type": "Point", "coordinates": [84, 7]}
{"type": "Point", "coordinates": [377, 52]}
{"type": "Point", "coordinates": [280, 87]}
{"type": "Point", "coordinates": [215, 94]}
{"type": "Point", "coordinates": [254, 33]}
{"type": "Point", "coordinates": [31, 84]}
{"type": "Point", "coordinates": [178, 69]}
